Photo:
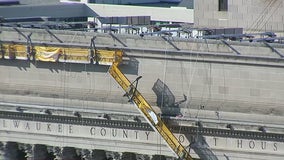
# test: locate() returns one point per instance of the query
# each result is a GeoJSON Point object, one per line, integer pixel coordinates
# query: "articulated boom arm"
{"type": "Point", "coordinates": [75, 54]}
{"type": "Point", "coordinates": [154, 120]}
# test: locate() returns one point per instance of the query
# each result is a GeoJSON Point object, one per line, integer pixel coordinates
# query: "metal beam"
{"type": "Point", "coordinates": [273, 49]}
{"type": "Point", "coordinates": [232, 48]}
{"type": "Point", "coordinates": [114, 37]}
{"type": "Point", "coordinates": [22, 34]}
{"type": "Point", "coordinates": [171, 43]}
{"type": "Point", "coordinates": [53, 35]}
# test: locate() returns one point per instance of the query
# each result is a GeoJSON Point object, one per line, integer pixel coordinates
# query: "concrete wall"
{"type": "Point", "coordinates": [77, 81]}
{"type": "Point", "coordinates": [227, 87]}
{"type": "Point", "coordinates": [252, 15]}
{"type": "Point", "coordinates": [127, 140]}
{"type": "Point", "coordinates": [251, 82]}
{"type": "Point", "coordinates": [85, 137]}
{"type": "Point", "coordinates": [146, 42]}
{"type": "Point", "coordinates": [211, 76]}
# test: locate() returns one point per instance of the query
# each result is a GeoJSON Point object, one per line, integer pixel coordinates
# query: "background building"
{"type": "Point", "coordinates": [252, 15]}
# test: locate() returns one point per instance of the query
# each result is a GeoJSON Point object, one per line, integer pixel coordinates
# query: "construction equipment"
{"type": "Point", "coordinates": [145, 108]}
{"type": "Point", "coordinates": [66, 54]}
{"type": "Point", "coordinates": [101, 57]}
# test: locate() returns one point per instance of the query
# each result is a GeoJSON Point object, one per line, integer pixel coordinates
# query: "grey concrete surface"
{"type": "Point", "coordinates": [81, 138]}
{"type": "Point", "coordinates": [238, 88]}
{"type": "Point", "coordinates": [135, 41]}
{"type": "Point", "coordinates": [224, 87]}
{"type": "Point", "coordinates": [253, 16]}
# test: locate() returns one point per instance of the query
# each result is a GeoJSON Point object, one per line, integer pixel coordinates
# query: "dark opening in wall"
{"type": "Point", "coordinates": [223, 5]}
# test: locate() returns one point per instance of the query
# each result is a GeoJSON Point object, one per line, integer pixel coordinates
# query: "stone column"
{"type": "Point", "coordinates": [86, 154]}
{"type": "Point", "coordinates": [57, 153]}
{"type": "Point", "coordinates": [158, 157]}
{"type": "Point", "coordinates": [28, 149]}
{"type": "Point", "coordinates": [99, 155]}
{"type": "Point", "coordinates": [113, 155]}
{"type": "Point", "coordinates": [143, 157]}
{"type": "Point", "coordinates": [69, 153]}
{"type": "Point", "coordinates": [40, 151]}
{"type": "Point", "coordinates": [36, 152]}
{"type": "Point", "coordinates": [2, 146]}
{"type": "Point", "coordinates": [12, 151]}
{"type": "Point", "coordinates": [128, 156]}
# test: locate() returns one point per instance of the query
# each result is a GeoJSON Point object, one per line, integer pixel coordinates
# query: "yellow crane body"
{"type": "Point", "coordinates": [101, 57]}
{"type": "Point", "coordinates": [148, 112]}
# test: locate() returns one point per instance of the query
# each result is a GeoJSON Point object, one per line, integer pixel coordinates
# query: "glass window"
{"type": "Point", "coordinates": [223, 5]}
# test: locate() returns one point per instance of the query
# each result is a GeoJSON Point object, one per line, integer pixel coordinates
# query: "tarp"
{"type": "Point", "coordinates": [106, 57]}
{"type": "Point", "coordinates": [47, 54]}
{"type": "Point", "coordinates": [62, 54]}
{"type": "Point", "coordinates": [75, 55]}
{"type": "Point", "coordinates": [12, 51]}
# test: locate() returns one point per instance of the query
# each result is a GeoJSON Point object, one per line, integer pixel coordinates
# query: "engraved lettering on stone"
{"type": "Point", "coordinates": [215, 141]}
{"type": "Point", "coordinates": [136, 134]}
{"type": "Point", "coordinates": [181, 138]}
{"type": "Point", "coordinates": [48, 127]}
{"type": "Point", "coordinates": [4, 124]}
{"type": "Point", "coordinates": [16, 124]}
{"type": "Point", "coordinates": [59, 128]}
{"type": "Point", "coordinates": [147, 134]}
{"type": "Point", "coordinates": [27, 126]}
{"type": "Point", "coordinates": [125, 133]}
{"type": "Point", "coordinates": [114, 132]}
{"type": "Point", "coordinates": [92, 131]}
{"type": "Point", "coordinates": [38, 126]}
{"type": "Point", "coordinates": [70, 129]}
{"type": "Point", "coordinates": [275, 146]}
{"type": "Point", "coordinates": [103, 132]}
{"type": "Point", "coordinates": [240, 143]}
{"type": "Point", "coordinates": [263, 145]}
{"type": "Point", "coordinates": [251, 144]}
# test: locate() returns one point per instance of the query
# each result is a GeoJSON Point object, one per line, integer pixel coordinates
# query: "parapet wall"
{"type": "Point", "coordinates": [209, 73]}
{"type": "Point", "coordinates": [135, 41]}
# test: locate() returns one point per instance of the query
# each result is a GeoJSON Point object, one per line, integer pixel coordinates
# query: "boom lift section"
{"type": "Point", "coordinates": [101, 57]}
{"type": "Point", "coordinates": [65, 54]}
{"type": "Point", "coordinates": [148, 112]}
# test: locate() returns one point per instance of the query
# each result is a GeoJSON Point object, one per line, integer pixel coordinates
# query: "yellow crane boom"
{"type": "Point", "coordinates": [102, 57]}
{"type": "Point", "coordinates": [148, 112]}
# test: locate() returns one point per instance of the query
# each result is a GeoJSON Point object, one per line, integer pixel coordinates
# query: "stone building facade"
{"type": "Point", "coordinates": [252, 15]}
